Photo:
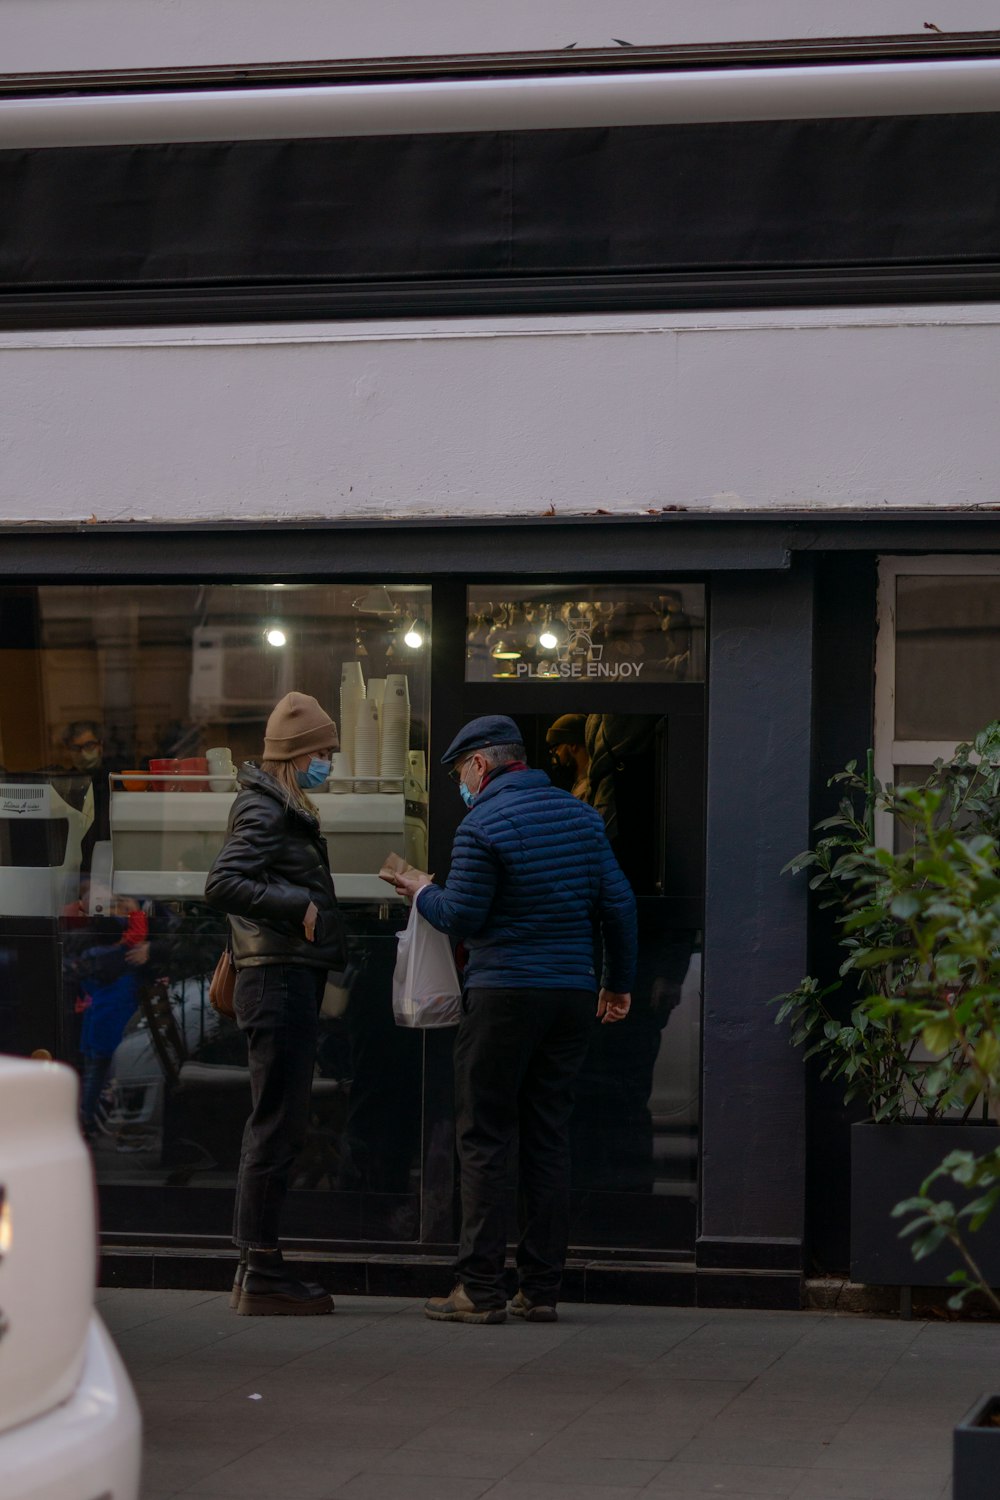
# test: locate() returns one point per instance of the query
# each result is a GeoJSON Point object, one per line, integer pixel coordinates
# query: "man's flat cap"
{"type": "Point", "coordinates": [490, 729]}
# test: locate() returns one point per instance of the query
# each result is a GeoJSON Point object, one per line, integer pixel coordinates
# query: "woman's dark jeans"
{"type": "Point", "coordinates": [277, 1009]}
{"type": "Point", "coordinates": [96, 1071]}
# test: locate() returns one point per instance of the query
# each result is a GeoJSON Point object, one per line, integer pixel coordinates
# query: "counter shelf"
{"type": "Point", "coordinates": [163, 843]}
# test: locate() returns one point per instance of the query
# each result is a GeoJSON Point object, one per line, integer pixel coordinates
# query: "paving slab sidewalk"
{"type": "Point", "coordinates": [611, 1403]}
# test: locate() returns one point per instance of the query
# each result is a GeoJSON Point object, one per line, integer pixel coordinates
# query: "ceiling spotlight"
{"type": "Point", "coordinates": [553, 634]}
{"type": "Point", "coordinates": [275, 637]}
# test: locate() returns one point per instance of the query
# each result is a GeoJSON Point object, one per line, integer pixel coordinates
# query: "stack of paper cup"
{"type": "Point", "coordinates": [375, 692]}
{"type": "Point", "coordinates": [366, 747]}
{"type": "Point", "coordinates": [352, 695]}
{"type": "Point", "coordinates": [395, 733]}
{"type": "Point", "coordinates": [337, 782]}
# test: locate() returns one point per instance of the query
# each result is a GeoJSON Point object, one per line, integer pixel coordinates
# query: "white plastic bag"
{"type": "Point", "coordinates": [425, 987]}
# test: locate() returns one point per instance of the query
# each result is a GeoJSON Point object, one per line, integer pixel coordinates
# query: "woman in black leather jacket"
{"type": "Point", "coordinates": [272, 879]}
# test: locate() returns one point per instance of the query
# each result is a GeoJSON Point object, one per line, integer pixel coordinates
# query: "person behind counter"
{"type": "Point", "coordinates": [88, 791]}
{"type": "Point", "coordinates": [566, 739]}
{"type": "Point", "coordinates": [272, 879]}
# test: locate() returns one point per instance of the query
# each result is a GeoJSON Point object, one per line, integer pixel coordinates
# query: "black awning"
{"type": "Point", "coordinates": [679, 215]}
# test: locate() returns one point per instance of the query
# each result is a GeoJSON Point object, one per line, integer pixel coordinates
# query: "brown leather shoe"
{"type": "Point", "coordinates": [532, 1312]}
{"type": "Point", "coordinates": [458, 1307]}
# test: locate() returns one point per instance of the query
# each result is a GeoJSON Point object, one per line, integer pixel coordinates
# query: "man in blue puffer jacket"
{"type": "Point", "coordinates": [533, 880]}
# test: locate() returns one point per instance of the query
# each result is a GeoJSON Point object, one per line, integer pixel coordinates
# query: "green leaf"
{"type": "Point", "coordinates": [938, 1038]}
{"type": "Point", "coordinates": [987, 1053]}
{"type": "Point", "coordinates": [870, 958]}
{"type": "Point", "coordinates": [929, 1242]}
{"type": "Point", "coordinates": [909, 1206]}
{"type": "Point", "coordinates": [978, 1219]}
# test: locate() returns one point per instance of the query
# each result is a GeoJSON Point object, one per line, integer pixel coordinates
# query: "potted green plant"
{"type": "Point", "coordinates": [919, 930]}
{"type": "Point", "coordinates": [976, 1451]}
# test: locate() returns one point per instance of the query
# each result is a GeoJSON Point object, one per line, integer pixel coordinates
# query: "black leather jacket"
{"type": "Point", "coordinates": [273, 863]}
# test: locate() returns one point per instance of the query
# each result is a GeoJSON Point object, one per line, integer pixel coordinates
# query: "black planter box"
{"type": "Point", "coordinates": [888, 1163]}
{"type": "Point", "coordinates": [976, 1460]}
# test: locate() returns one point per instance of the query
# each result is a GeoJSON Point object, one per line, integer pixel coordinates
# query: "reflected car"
{"type": "Point", "coordinates": [134, 1112]}
{"type": "Point", "coordinates": [70, 1427]}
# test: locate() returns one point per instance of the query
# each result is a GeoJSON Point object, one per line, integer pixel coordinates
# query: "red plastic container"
{"type": "Point", "coordinates": [193, 765]}
{"type": "Point", "coordinates": [164, 767]}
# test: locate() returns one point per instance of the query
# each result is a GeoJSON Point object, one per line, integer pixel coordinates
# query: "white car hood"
{"type": "Point", "coordinates": [48, 1240]}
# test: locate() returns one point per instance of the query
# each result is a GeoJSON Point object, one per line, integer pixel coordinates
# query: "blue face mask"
{"type": "Point", "coordinates": [314, 775]}
{"type": "Point", "coordinates": [468, 796]}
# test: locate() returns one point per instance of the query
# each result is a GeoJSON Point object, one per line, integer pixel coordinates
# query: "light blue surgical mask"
{"type": "Point", "coordinates": [466, 793]}
{"type": "Point", "coordinates": [314, 775]}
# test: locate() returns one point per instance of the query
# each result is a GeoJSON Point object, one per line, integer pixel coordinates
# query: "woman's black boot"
{"type": "Point", "coordinates": [269, 1289]}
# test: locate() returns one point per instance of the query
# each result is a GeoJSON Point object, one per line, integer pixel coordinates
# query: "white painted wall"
{"type": "Point", "coordinates": [748, 411]}
{"type": "Point", "coordinates": [79, 34]}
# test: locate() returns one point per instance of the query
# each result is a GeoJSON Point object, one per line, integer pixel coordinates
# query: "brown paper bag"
{"type": "Point", "coordinates": [393, 865]}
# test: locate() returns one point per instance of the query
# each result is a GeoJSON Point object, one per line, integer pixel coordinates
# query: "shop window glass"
{"type": "Point", "coordinates": [937, 677]}
{"type": "Point", "coordinates": [124, 712]}
{"type": "Point", "coordinates": [947, 666]}
{"type": "Point", "coordinates": [586, 633]}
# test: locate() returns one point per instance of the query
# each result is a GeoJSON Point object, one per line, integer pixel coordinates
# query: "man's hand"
{"type": "Point", "coordinates": [612, 1006]}
{"type": "Point", "coordinates": [138, 955]}
{"type": "Point", "coordinates": [413, 881]}
{"type": "Point", "coordinates": [309, 922]}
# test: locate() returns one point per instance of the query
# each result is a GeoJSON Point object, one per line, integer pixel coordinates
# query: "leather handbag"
{"type": "Point", "coordinates": [222, 990]}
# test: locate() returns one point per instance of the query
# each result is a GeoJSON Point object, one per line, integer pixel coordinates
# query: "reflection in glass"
{"type": "Point", "coordinates": [584, 632]}
{"type": "Point", "coordinates": [635, 1122]}
{"type": "Point", "coordinates": [947, 655]}
{"type": "Point", "coordinates": [124, 713]}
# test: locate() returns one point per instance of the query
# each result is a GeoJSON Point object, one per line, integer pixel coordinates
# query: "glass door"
{"type": "Point", "coordinates": [606, 683]}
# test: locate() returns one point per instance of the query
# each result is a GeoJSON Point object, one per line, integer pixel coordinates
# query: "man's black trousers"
{"type": "Point", "coordinates": [517, 1054]}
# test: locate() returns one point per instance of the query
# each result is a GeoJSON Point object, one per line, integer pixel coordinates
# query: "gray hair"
{"type": "Point", "coordinates": [501, 755]}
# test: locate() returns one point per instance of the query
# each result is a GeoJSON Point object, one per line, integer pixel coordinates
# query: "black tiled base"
{"type": "Point", "coordinates": [722, 1251]}
{"type": "Point", "coordinates": [644, 1284]}
{"type": "Point", "coordinates": [408, 1276]}
{"type": "Point", "coordinates": [775, 1291]}
{"type": "Point", "coordinates": [129, 1269]}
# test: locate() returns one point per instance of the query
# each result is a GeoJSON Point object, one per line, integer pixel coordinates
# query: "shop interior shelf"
{"type": "Point", "coordinates": [189, 885]}
{"type": "Point", "coordinates": [164, 843]}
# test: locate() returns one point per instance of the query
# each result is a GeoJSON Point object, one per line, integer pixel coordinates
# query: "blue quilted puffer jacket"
{"type": "Point", "coordinates": [532, 876]}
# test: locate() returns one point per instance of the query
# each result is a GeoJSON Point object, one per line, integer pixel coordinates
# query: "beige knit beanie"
{"type": "Point", "coordinates": [298, 724]}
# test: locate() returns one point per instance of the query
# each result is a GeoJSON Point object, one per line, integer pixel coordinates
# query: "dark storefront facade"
{"type": "Point", "coordinates": [719, 659]}
{"type": "Point", "coordinates": [691, 1137]}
